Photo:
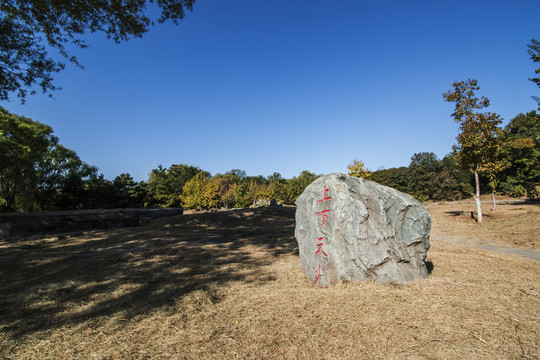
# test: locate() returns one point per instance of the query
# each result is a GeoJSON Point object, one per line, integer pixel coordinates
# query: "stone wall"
{"type": "Point", "coordinates": [69, 221]}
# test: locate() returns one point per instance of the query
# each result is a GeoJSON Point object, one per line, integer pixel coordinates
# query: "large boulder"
{"type": "Point", "coordinates": [350, 229]}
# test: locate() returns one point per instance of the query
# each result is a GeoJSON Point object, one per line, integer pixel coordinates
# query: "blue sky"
{"type": "Point", "coordinates": [285, 86]}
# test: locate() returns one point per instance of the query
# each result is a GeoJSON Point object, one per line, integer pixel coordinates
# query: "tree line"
{"type": "Point", "coordinates": [518, 154]}
{"type": "Point", "coordinates": [37, 173]}
{"type": "Point", "coordinates": [509, 164]}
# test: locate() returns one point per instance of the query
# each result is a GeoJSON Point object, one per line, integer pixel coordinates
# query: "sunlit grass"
{"type": "Point", "coordinates": [170, 290]}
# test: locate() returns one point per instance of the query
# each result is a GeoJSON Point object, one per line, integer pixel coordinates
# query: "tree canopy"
{"type": "Point", "coordinates": [520, 153]}
{"type": "Point", "coordinates": [27, 26]}
{"type": "Point", "coordinates": [34, 167]}
{"type": "Point", "coordinates": [38, 173]}
{"type": "Point", "coordinates": [165, 185]}
{"type": "Point", "coordinates": [479, 131]}
{"type": "Point", "coordinates": [534, 52]}
{"type": "Point", "coordinates": [23, 142]}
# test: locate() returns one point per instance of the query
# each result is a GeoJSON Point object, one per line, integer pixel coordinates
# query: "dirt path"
{"type": "Point", "coordinates": [512, 228]}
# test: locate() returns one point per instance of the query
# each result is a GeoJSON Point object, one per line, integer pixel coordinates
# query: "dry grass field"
{"type": "Point", "coordinates": [229, 285]}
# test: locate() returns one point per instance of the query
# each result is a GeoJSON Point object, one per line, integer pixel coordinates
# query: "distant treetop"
{"type": "Point", "coordinates": [534, 52]}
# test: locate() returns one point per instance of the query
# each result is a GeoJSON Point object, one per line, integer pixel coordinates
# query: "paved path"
{"type": "Point", "coordinates": [512, 201]}
{"type": "Point", "coordinates": [530, 254]}
{"type": "Point", "coordinates": [526, 253]}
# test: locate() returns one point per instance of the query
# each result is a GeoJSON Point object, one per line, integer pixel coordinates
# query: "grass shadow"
{"type": "Point", "coordinates": [460, 213]}
{"type": "Point", "coordinates": [124, 273]}
{"type": "Point", "coordinates": [532, 202]}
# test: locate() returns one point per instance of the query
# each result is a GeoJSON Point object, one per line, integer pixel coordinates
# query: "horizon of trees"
{"type": "Point", "coordinates": [37, 173]}
{"type": "Point", "coordinates": [518, 153]}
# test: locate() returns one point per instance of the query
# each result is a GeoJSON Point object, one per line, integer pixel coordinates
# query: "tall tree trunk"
{"type": "Point", "coordinates": [477, 196]}
{"type": "Point", "coordinates": [493, 197]}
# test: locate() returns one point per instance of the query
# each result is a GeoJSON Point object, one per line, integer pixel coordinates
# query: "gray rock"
{"type": "Point", "coordinates": [143, 220]}
{"type": "Point", "coordinates": [261, 203]}
{"type": "Point", "coordinates": [4, 229]}
{"type": "Point", "coordinates": [350, 229]}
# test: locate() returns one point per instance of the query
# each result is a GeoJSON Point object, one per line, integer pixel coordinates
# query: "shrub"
{"type": "Point", "coordinates": [358, 169]}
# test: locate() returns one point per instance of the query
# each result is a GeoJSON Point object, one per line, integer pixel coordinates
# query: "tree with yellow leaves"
{"type": "Point", "coordinates": [200, 192]}
{"type": "Point", "coordinates": [358, 169]}
{"type": "Point", "coordinates": [478, 139]}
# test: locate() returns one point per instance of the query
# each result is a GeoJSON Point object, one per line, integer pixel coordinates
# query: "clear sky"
{"type": "Point", "coordinates": [290, 85]}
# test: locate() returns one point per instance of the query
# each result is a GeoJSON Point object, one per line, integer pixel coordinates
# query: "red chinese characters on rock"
{"type": "Point", "coordinates": [320, 251]}
{"type": "Point", "coordinates": [324, 216]}
{"type": "Point", "coordinates": [324, 213]}
{"type": "Point", "coordinates": [318, 276]}
{"type": "Point", "coordinates": [325, 190]}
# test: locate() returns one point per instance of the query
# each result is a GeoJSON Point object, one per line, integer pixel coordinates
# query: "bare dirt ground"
{"type": "Point", "coordinates": [229, 285]}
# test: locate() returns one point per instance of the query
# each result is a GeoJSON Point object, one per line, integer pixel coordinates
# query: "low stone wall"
{"type": "Point", "coordinates": [54, 222]}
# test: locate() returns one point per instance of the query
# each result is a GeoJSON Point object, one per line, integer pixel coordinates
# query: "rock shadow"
{"type": "Point", "coordinates": [429, 267]}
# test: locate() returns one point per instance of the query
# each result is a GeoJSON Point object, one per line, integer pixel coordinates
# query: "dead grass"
{"type": "Point", "coordinates": [229, 286]}
{"type": "Point", "coordinates": [509, 224]}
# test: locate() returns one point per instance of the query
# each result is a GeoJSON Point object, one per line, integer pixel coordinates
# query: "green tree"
{"type": "Point", "coordinates": [520, 154]}
{"type": "Point", "coordinates": [23, 144]}
{"type": "Point", "coordinates": [422, 168]}
{"type": "Point", "coordinates": [128, 192]}
{"type": "Point", "coordinates": [426, 160]}
{"type": "Point", "coordinates": [479, 131]}
{"type": "Point", "coordinates": [275, 177]}
{"type": "Point", "coordinates": [241, 195]}
{"type": "Point", "coordinates": [165, 185]}
{"type": "Point", "coordinates": [279, 187]}
{"type": "Point", "coordinates": [28, 26]}
{"type": "Point", "coordinates": [358, 169]}
{"type": "Point", "coordinates": [444, 186]}
{"type": "Point", "coordinates": [534, 52]}
{"type": "Point", "coordinates": [158, 189]}
{"type": "Point", "coordinates": [259, 179]}
{"type": "Point", "coordinates": [297, 185]}
{"type": "Point", "coordinates": [397, 178]}
{"type": "Point", "coordinates": [428, 178]}
{"type": "Point", "coordinates": [240, 174]}
{"type": "Point", "coordinates": [58, 182]}
{"type": "Point", "coordinates": [249, 191]}
{"type": "Point", "coordinates": [36, 171]}
{"type": "Point", "coordinates": [453, 182]}
{"type": "Point", "coordinates": [73, 188]}
{"type": "Point", "coordinates": [99, 193]}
